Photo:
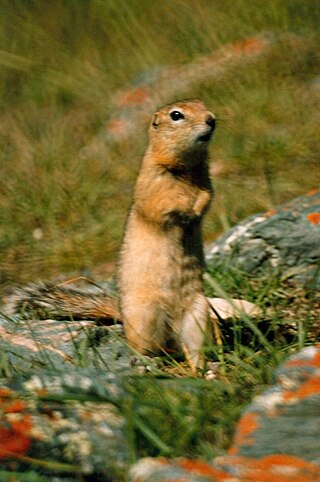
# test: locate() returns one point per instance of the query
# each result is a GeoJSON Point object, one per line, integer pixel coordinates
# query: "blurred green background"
{"type": "Point", "coordinates": [61, 63]}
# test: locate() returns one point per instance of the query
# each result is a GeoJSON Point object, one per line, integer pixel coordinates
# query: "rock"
{"type": "Point", "coordinates": [32, 343]}
{"type": "Point", "coordinates": [277, 437]}
{"type": "Point", "coordinates": [285, 240]}
{"type": "Point", "coordinates": [26, 345]}
{"type": "Point", "coordinates": [285, 418]}
{"type": "Point", "coordinates": [63, 422]}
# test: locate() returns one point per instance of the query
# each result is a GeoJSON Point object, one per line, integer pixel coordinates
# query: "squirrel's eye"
{"type": "Point", "coordinates": [176, 115]}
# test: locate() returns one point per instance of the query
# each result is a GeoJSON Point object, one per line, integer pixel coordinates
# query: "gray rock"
{"type": "Point", "coordinates": [277, 438]}
{"type": "Point", "coordinates": [286, 241]}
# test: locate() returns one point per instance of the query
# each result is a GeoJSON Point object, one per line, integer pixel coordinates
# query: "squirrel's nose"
{"type": "Point", "coordinates": [211, 121]}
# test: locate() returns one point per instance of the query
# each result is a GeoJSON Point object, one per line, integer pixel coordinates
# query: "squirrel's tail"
{"type": "Point", "coordinates": [45, 300]}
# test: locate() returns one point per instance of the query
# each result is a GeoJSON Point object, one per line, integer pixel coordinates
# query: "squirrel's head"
{"type": "Point", "coordinates": [182, 130]}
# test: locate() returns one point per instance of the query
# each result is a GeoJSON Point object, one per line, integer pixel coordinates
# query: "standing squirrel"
{"type": "Point", "coordinates": [161, 262]}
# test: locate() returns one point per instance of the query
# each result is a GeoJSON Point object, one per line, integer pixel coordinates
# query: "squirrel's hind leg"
{"type": "Point", "coordinates": [145, 327]}
{"type": "Point", "coordinates": [194, 328]}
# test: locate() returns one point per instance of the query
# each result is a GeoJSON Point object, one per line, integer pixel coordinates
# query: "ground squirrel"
{"type": "Point", "coordinates": [161, 259]}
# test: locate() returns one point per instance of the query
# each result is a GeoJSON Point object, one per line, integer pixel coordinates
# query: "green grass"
{"type": "Point", "coordinates": [183, 416]}
{"type": "Point", "coordinates": [19, 477]}
{"type": "Point", "coordinates": [168, 411]}
{"type": "Point", "coordinates": [59, 72]}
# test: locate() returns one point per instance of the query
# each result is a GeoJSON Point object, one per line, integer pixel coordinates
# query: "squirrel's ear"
{"type": "Point", "coordinates": [155, 121]}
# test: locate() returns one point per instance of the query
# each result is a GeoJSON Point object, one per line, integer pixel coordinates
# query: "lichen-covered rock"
{"type": "Point", "coordinates": [29, 344]}
{"type": "Point", "coordinates": [64, 422]}
{"type": "Point", "coordinates": [277, 437]}
{"type": "Point", "coordinates": [228, 469]}
{"type": "Point", "coordinates": [285, 419]}
{"type": "Point", "coordinates": [285, 240]}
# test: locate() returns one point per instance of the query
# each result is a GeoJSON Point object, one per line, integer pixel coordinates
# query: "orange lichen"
{"type": "Point", "coordinates": [250, 45]}
{"type": "Point", "coordinates": [310, 387]}
{"type": "Point", "coordinates": [313, 362]}
{"type": "Point", "coordinates": [270, 213]}
{"type": "Point", "coordinates": [314, 218]}
{"type": "Point", "coordinates": [312, 193]}
{"type": "Point", "coordinates": [15, 439]}
{"type": "Point", "coordinates": [22, 424]}
{"type": "Point", "coordinates": [15, 425]}
{"type": "Point", "coordinates": [12, 442]}
{"type": "Point", "coordinates": [202, 468]}
{"type": "Point", "coordinates": [284, 459]}
{"type": "Point", "coordinates": [14, 406]}
{"type": "Point", "coordinates": [246, 426]}
{"type": "Point", "coordinates": [135, 96]}
{"type": "Point", "coordinates": [279, 467]}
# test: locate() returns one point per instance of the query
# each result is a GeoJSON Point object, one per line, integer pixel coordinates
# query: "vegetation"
{"type": "Point", "coordinates": [169, 412]}
{"type": "Point", "coordinates": [60, 67]}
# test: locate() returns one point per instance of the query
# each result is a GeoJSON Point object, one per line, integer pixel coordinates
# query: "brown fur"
{"type": "Point", "coordinates": [161, 260]}
{"type": "Point", "coordinates": [47, 300]}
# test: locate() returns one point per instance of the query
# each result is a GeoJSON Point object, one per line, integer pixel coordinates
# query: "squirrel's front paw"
{"type": "Point", "coordinates": [201, 203]}
{"type": "Point", "coordinates": [178, 218]}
